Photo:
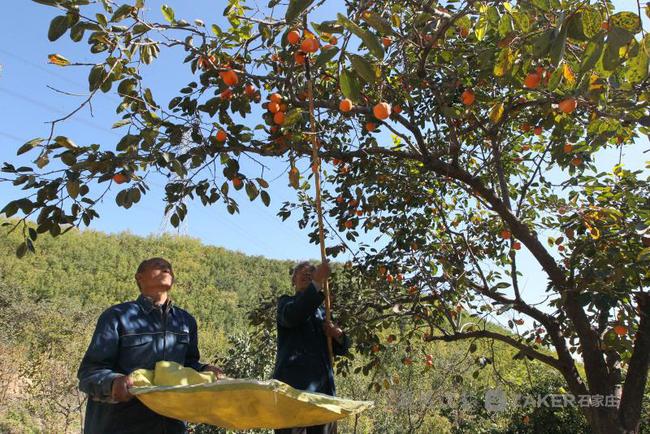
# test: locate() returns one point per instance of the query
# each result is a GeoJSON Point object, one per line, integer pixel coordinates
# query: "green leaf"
{"type": "Point", "coordinates": [521, 21]}
{"type": "Point", "coordinates": [266, 199]}
{"type": "Point", "coordinates": [10, 209]}
{"type": "Point", "coordinates": [378, 22]}
{"type": "Point", "coordinates": [145, 54]}
{"type": "Point", "coordinates": [574, 28]}
{"type": "Point", "coordinates": [644, 254]}
{"type": "Point", "coordinates": [616, 38]}
{"type": "Point", "coordinates": [101, 19]}
{"type": "Point", "coordinates": [363, 68]}
{"type": "Point", "coordinates": [636, 69]}
{"type": "Point", "coordinates": [295, 8]}
{"type": "Point", "coordinates": [265, 31]}
{"type": "Point", "coordinates": [42, 161]}
{"type": "Point", "coordinates": [493, 16]}
{"type": "Point", "coordinates": [96, 77]}
{"type": "Point", "coordinates": [58, 26]}
{"type": "Point", "coordinates": [592, 53]}
{"type": "Point", "coordinates": [293, 115]}
{"type": "Point", "coordinates": [148, 97]}
{"type": "Point", "coordinates": [369, 39]}
{"type": "Point", "coordinates": [73, 188]}
{"type": "Point", "coordinates": [121, 13]}
{"type": "Point", "coordinates": [505, 25]}
{"type": "Point", "coordinates": [626, 20]}
{"type": "Point", "coordinates": [251, 191]}
{"type": "Point", "coordinates": [168, 13]}
{"type": "Point", "coordinates": [134, 195]}
{"type": "Point", "coordinates": [558, 46]}
{"type": "Point", "coordinates": [29, 145]}
{"type": "Point", "coordinates": [555, 78]}
{"type": "Point", "coordinates": [541, 4]}
{"type": "Point", "coordinates": [121, 123]}
{"type": "Point", "coordinates": [329, 26]}
{"type": "Point", "coordinates": [47, 2]}
{"type": "Point", "coordinates": [542, 43]}
{"type": "Point", "coordinates": [325, 56]}
{"type": "Point", "coordinates": [591, 22]}
{"type": "Point", "coordinates": [65, 142]}
{"type": "Point", "coordinates": [350, 85]}
{"type": "Point", "coordinates": [77, 32]}
{"type": "Point", "coordinates": [21, 250]}
{"type": "Point", "coordinates": [216, 30]}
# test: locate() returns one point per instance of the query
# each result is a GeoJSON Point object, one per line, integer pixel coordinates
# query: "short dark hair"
{"type": "Point", "coordinates": [153, 262]}
{"type": "Point", "coordinates": [299, 266]}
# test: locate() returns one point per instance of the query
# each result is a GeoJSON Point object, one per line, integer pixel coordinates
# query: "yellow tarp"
{"type": "Point", "coordinates": [183, 393]}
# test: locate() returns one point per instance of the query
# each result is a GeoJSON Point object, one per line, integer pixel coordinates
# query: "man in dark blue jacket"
{"type": "Point", "coordinates": [302, 359]}
{"type": "Point", "coordinates": [135, 335]}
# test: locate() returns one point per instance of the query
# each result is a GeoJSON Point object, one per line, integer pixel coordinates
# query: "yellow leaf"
{"type": "Point", "coordinates": [496, 112]}
{"type": "Point", "coordinates": [594, 83]}
{"type": "Point", "coordinates": [57, 59]}
{"type": "Point", "coordinates": [294, 177]}
{"type": "Point", "coordinates": [504, 63]}
{"type": "Point", "coordinates": [594, 232]}
{"type": "Point", "coordinates": [569, 76]}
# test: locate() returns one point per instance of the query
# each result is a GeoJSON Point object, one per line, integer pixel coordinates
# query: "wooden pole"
{"type": "Point", "coordinates": [319, 210]}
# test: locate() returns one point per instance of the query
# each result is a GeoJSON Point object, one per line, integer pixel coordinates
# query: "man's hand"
{"type": "Point", "coordinates": [120, 389]}
{"type": "Point", "coordinates": [217, 371]}
{"type": "Point", "coordinates": [333, 331]}
{"type": "Point", "coordinates": [321, 272]}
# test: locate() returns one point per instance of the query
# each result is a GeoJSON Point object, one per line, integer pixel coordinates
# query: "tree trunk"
{"type": "Point", "coordinates": [607, 421]}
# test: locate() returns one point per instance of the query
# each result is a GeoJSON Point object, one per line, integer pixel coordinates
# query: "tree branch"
{"type": "Point", "coordinates": [637, 373]}
{"type": "Point", "coordinates": [525, 349]}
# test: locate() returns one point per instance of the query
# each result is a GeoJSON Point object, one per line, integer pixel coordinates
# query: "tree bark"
{"type": "Point", "coordinates": [637, 372]}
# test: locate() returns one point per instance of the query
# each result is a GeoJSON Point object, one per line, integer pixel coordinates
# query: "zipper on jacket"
{"type": "Point", "coordinates": [163, 313]}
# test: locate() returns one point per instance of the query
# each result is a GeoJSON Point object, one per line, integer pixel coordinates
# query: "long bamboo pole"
{"type": "Point", "coordinates": [319, 209]}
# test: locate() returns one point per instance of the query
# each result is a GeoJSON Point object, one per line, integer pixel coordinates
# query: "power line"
{"type": "Point", "coordinates": [57, 111]}
{"type": "Point", "coordinates": [12, 137]}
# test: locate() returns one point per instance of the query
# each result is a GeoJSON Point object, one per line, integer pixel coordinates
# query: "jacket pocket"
{"type": "Point", "coordinates": [129, 341]}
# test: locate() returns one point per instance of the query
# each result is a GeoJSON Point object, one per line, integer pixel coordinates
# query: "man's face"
{"type": "Point", "coordinates": [157, 275]}
{"type": "Point", "coordinates": [302, 277]}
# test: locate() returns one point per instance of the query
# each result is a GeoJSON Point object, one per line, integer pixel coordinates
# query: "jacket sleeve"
{"type": "Point", "coordinates": [341, 349]}
{"type": "Point", "coordinates": [293, 311]}
{"type": "Point", "coordinates": [193, 356]}
{"type": "Point", "coordinates": [96, 372]}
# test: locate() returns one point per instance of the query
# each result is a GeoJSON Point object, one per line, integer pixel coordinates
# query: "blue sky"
{"type": "Point", "coordinates": [26, 103]}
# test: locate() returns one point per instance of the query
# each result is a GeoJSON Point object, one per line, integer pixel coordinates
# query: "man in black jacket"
{"type": "Point", "coordinates": [302, 359]}
{"type": "Point", "coordinates": [134, 335]}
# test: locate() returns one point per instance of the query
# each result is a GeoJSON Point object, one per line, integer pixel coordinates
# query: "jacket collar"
{"type": "Point", "coordinates": [147, 304]}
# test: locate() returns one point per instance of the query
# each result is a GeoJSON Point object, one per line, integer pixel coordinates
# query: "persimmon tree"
{"type": "Point", "coordinates": [461, 134]}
